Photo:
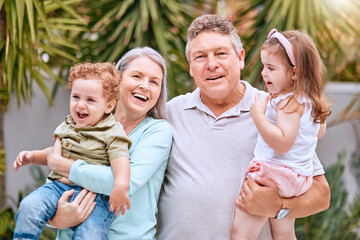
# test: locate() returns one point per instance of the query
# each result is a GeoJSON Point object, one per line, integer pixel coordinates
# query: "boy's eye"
{"type": "Point", "coordinates": [75, 96]}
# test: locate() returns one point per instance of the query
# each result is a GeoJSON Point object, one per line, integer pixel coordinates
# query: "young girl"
{"type": "Point", "coordinates": [289, 120]}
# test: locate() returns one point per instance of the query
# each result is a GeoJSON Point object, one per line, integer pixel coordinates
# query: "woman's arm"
{"type": "Point", "coordinates": [56, 162]}
{"type": "Point", "coordinates": [262, 198]}
{"type": "Point", "coordinates": [146, 156]}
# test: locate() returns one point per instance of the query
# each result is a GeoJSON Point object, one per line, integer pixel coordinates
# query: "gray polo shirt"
{"type": "Point", "coordinates": [206, 168]}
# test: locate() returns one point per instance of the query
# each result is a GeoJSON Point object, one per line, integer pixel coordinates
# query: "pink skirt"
{"type": "Point", "coordinates": [290, 183]}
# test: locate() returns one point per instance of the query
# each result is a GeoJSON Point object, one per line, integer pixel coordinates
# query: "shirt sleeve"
{"type": "Point", "coordinates": [152, 149]}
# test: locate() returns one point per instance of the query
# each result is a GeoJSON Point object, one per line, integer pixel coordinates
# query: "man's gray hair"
{"type": "Point", "coordinates": [213, 23]}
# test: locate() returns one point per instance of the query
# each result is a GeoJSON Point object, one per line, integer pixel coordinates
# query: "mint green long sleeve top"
{"type": "Point", "coordinates": [149, 153]}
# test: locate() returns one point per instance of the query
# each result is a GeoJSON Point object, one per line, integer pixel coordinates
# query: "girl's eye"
{"type": "Point", "coordinates": [76, 97]}
{"type": "Point", "coordinates": [91, 100]}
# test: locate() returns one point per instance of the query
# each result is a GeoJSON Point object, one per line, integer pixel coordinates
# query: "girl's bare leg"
{"type": "Point", "coordinates": [283, 229]}
{"type": "Point", "coordinates": [246, 226]}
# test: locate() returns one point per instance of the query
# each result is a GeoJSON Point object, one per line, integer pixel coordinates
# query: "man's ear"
{"type": "Point", "coordinates": [294, 76]}
{"type": "Point", "coordinates": [242, 59]}
{"type": "Point", "coordinates": [111, 105]}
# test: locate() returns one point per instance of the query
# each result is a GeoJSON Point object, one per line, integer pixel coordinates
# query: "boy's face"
{"type": "Point", "coordinates": [87, 103]}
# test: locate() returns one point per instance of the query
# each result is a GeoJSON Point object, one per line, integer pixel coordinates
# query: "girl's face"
{"type": "Point", "coordinates": [140, 87]}
{"type": "Point", "coordinates": [87, 103]}
{"type": "Point", "coordinates": [277, 76]}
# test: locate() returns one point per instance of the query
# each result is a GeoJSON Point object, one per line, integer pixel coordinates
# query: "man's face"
{"type": "Point", "coordinates": [215, 66]}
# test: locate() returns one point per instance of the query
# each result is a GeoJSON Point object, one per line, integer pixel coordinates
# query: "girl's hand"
{"type": "Point", "coordinates": [258, 107]}
{"type": "Point", "coordinates": [24, 158]}
{"type": "Point", "coordinates": [69, 214]}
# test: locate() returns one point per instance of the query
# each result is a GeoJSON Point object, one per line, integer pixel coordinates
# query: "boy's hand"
{"type": "Point", "coordinates": [119, 200]}
{"type": "Point", "coordinates": [24, 158]}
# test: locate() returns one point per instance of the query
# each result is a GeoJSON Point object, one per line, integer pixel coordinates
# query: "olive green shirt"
{"type": "Point", "coordinates": [97, 144]}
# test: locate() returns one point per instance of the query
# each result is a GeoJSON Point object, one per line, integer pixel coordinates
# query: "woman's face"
{"type": "Point", "coordinates": [140, 87]}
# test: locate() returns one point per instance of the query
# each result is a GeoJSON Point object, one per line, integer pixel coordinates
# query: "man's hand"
{"type": "Point", "coordinates": [260, 197]}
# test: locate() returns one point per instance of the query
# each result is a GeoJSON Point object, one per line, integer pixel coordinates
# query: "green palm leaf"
{"type": "Point", "coordinates": [118, 26]}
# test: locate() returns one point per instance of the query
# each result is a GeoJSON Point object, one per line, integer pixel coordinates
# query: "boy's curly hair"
{"type": "Point", "coordinates": [104, 72]}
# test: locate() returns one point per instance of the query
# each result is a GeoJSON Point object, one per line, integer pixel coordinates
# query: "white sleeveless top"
{"type": "Point", "coordinates": [300, 156]}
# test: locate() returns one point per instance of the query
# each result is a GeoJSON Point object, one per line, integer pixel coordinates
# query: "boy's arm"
{"type": "Point", "coordinates": [38, 157]}
{"type": "Point", "coordinates": [279, 137]}
{"type": "Point", "coordinates": [119, 198]}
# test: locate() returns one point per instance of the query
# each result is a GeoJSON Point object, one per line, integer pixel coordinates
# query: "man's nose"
{"type": "Point", "coordinates": [212, 62]}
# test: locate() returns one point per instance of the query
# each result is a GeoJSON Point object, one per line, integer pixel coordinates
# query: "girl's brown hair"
{"type": "Point", "coordinates": [310, 71]}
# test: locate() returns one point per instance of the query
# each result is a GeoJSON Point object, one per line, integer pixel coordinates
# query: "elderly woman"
{"type": "Point", "coordinates": [141, 111]}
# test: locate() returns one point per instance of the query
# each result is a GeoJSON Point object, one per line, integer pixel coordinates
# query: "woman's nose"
{"type": "Point", "coordinates": [144, 85]}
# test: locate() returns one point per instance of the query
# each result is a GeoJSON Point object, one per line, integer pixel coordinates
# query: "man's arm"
{"type": "Point", "coordinates": [262, 198]}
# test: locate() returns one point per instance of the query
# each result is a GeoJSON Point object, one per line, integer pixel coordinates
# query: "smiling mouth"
{"type": "Point", "coordinates": [82, 115]}
{"type": "Point", "coordinates": [214, 78]}
{"type": "Point", "coordinates": [140, 97]}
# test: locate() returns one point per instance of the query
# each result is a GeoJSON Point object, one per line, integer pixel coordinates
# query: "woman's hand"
{"type": "Point", "coordinates": [57, 162]}
{"type": "Point", "coordinates": [69, 214]}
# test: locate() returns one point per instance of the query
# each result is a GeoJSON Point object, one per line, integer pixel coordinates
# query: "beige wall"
{"type": "Point", "coordinates": [30, 127]}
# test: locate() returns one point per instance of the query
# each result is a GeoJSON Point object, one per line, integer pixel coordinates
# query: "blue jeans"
{"type": "Point", "coordinates": [40, 206]}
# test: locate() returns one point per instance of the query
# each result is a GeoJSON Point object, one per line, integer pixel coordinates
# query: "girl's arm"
{"type": "Point", "coordinates": [279, 137]}
{"type": "Point", "coordinates": [322, 130]}
{"type": "Point", "coordinates": [148, 154]}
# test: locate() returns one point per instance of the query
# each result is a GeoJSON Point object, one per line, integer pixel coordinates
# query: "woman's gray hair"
{"type": "Point", "coordinates": [213, 23]}
{"type": "Point", "coordinates": [158, 111]}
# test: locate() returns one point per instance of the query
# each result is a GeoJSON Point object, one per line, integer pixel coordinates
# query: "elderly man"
{"type": "Point", "coordinates": [214, 139]}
